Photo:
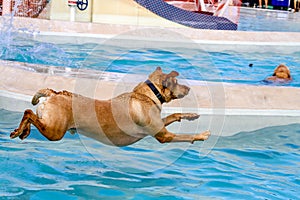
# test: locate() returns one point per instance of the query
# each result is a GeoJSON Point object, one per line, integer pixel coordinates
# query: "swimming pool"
{"type": "Point", "coordinates": [222, 61]}
{"type": "Point", "coordinates": [268, 20]}
{"type": "Point", "coordinates": [263, 164]}
{"type": "Point", "coordinates": [248, 67]}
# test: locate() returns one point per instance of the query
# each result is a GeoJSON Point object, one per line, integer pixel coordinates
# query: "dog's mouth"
{"type": "Point", "coordinates": [180, 96]}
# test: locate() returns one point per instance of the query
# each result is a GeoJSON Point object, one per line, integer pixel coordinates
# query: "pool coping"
{"type": "Point", "coordinates": [56, 27]}
{"type": "Point", "coordinates": [137, 36]}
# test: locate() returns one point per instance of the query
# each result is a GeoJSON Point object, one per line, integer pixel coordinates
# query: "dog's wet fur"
{"type": "Point", "coordinates": [120, 121]}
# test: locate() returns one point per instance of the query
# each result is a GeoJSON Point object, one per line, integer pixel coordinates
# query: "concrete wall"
{"type": "Point", "coordinates": [116, 12]}
{"type": "Point", "coordinates": [127, 12]}
{"type": "Point", "coordinates": [59, 10]}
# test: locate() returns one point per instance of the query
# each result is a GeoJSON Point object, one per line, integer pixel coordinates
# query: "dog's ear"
{"type": "Point", "coordinates": [158, 69]}
{"type": "Point", "coordinates": [156, 75]}
{"type": "Point", "coordinates": [172, 74]}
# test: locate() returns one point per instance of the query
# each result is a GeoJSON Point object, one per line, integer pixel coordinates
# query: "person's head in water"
{"type": "Point", "coordinates": [281, 73]}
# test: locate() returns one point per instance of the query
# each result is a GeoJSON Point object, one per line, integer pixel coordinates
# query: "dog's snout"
{"type": "Point", "coordinates": [186, 88]}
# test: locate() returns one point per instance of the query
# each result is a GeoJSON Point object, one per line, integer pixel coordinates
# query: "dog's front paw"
{"type": "Point", "coordinates": [15, 134]}
{"type": "Point", "coordinates": [201, 137]}
{"type": "Point", "coordinates": [190, 116]}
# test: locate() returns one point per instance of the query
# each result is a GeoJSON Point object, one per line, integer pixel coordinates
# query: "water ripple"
{"type": "Point", "coordinates": [256, 165]}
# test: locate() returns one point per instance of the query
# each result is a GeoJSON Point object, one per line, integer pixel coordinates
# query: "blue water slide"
{"type": "Point", "coordinates": [187, 18]}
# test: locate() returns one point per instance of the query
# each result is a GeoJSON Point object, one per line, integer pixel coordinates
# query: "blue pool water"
{"type": "Point", "coordinates": [268, 20]}
{"type": "Point", "coordinates": [264, 164]}
{"type": "Point", "coordinates": [227, 66]}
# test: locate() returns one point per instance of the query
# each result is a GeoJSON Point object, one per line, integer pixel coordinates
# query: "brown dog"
{"type": "Point", "coordinates": [120, 121]}
{"type": "Point", "coordinates": [281, 74]}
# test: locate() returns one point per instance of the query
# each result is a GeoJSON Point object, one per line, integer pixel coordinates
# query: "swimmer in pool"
{"type": "Point", "coordinates": [281, 74]}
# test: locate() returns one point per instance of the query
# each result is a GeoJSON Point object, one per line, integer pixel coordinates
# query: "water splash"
{"type": "Point", "coordinates": [7, 30]}
{"type": "Point", "coordinates": [9, 34]}
{"type": "Point", "coordinates": [18, 44]}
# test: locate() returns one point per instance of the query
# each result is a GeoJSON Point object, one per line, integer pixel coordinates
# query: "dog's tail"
{"type": "Point", "coordinates": [47, 93]}
{"type": "Point", "coordinates": [42, 93]}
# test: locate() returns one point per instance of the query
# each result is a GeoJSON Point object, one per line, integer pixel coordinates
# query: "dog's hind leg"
{"type": "Point", "coordinates": [25, 132]}
{"type": "Point", "coordinates": [164, 136]}
{"type": "Point", "coordinates": [23, 127]}
{"type": "Point", "coordinates": [30, 118]}
{"type": "Point", "coordinates": [177, 117]}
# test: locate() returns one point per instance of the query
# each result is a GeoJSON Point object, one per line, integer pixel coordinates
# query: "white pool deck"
{"type": "Point", "coordinates": [225, 109]}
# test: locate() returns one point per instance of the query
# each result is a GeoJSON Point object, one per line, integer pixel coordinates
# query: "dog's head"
{"type": "Point", "coordinates": [282, 71]}
{"type": "Point", "coordinates": [168, 84]}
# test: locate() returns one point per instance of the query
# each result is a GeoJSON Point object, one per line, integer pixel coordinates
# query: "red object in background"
{"type": "Point", "coordinates": [72, 2]}
{"type": "Point", "coordinates": [26, 8]}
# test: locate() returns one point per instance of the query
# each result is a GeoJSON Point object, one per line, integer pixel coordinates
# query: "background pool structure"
{"type": "Point", "coordinates": [262, 164]}
{"type": "Point", "coordinates": [194, 64]}
{"type": "Point", "coordinates": [268, 20]}
{"type": "Point", "coordinates": [236, 65]}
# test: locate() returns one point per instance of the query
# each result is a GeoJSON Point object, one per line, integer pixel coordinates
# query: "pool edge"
{"type": "Point", "coordinates": [238, 108]}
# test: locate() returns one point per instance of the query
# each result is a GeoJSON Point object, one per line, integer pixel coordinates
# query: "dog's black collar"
{"type": "Point", "coordinates": [155, 91]}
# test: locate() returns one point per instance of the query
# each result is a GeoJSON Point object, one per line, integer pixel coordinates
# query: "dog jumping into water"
{"type": "Point", "coordinates": [120, 121]}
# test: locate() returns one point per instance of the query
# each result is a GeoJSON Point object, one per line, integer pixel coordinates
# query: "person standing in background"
{"type": "Point", "coordinates": [266, 3]}
{"type": "Point", "coordinates": [296, 5]}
